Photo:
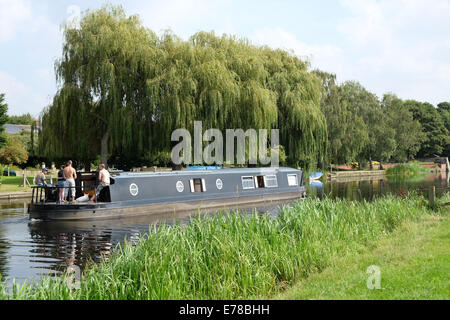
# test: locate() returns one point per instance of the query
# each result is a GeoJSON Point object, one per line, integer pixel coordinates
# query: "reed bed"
{"type": "Point", "coordinates": [407, 169]}
{"type": "Point", "coordinates": [234, 256]}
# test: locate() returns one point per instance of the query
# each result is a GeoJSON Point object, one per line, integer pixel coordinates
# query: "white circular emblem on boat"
{"type": "Point", "coordinates": [134, 190]}
{"type": "Point", "coordinates": [219, 184]}
{"type": "Point", "coordinates": [180, 186]}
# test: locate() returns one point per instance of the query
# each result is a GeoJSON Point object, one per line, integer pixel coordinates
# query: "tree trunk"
{"type": "Point", "coordinates": [104, 149]}
{"type": "Point", "coordinates": [87, 165]}
{"type": "Point", "coordinates": [370, 161]}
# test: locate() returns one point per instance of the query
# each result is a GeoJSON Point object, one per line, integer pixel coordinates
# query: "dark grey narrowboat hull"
{"type": "Point", "coordinates": [120, 210]}
{"type": "Point", "coordinates": [133, 195]}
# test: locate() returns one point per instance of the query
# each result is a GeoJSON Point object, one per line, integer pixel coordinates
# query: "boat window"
{"type": "Point", "coordinates": [292, 180]}
{"type": "Point", "coordinates": [271, 181]}
{"type": "Point", "coordinates": [248, 183]}
{"type": "Point", "coordinates": [260, 182]}
{"type": "Point", "coordinates": [198, 185]}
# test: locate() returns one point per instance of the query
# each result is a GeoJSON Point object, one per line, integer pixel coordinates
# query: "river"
{"type": "Point", "coordinates": [32, 249]}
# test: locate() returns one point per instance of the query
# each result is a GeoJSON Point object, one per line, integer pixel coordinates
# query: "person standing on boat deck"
{"type": "Point", "coordinates": [61, 184]}
{"type": "Point", "coordinates": [104, 181]}
{"type": "Point", "coordinates": [39, 180]}
{"type": "Point", "coordinates": [70, 175]}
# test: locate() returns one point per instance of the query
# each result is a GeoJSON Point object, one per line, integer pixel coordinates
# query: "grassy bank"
{"type": "Point", "coordinates": [236, 256]}
{"type": "Point", "coordinates": [407, 169]}
{"type": "Point", "coordinates": [414, 263]}
{"type": "Point", "coordinates": [11, 184]}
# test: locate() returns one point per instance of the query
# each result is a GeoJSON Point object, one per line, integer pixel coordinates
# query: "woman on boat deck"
{"type": "Point", "coordinates": [61, 184]}
{"type": "Point", "coordinates": [104, 181]}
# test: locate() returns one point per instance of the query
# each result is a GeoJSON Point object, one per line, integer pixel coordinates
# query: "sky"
{"type": "Point", "coordinates": [398, 46]}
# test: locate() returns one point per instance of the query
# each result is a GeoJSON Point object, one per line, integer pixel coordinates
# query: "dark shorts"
{"type": "Point", "coordinates": [100, 187]}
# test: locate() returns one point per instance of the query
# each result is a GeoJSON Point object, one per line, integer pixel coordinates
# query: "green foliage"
{"type": "Point", "coordinates": [433, 126]}
{"type": "Point", "coordinates": [122, 82]}
{"type": "Point", "coordinates": [26, 119]}
{"type": "Point", "coordinates": [14, 152]}
{"type": "Point", "coordinates": [407, 169]}
{"type": "Point", "coordinates": [3, 119]}
{"type": "Point", "coordinates": [160, 159]}
{"type": "Point", "coordinates": [123, 90]}
{"type": "Point", "coordinates": [347, 132]}
{"type": "Point", "coordinates": [444, 111]}
{"type": "Point", "coordinates": [380, 143]}
{"type": "Point", "coordinates": [408, 131]}
{"type": "Point", "coordinates": [360, 127]}
{"type": "Point", "coordinates": [282, 157]}
{"type": "Point", "coordinates": [233, 256]}
{"type": "Point", "coordinates": [25, 138]}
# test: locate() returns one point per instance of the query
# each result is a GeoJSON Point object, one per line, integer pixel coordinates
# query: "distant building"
{"type": "Point", "coordinates": [16, 128]}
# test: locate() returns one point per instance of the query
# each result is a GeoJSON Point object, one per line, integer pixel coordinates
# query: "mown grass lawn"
{"type": "Point", "coordinates": [414, 263]}
{"type": "Point", "coordinates": [12, 184]}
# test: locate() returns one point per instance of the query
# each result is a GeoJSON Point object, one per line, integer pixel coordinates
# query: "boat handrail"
{"type": "Point", "coordinates": [36, 193]}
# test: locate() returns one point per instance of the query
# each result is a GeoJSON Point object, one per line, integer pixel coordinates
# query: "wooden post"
{"type": "Point", "coordinates": [432, 196]}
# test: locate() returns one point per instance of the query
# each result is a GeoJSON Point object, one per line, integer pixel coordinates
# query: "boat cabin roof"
{"type": "Point", "coordinates": [250, 171]}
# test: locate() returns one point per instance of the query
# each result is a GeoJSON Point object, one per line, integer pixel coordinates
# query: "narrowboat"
{"type": "Point", "coordinates": [134, 194]}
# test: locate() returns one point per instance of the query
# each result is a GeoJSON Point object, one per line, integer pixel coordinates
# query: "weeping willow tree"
{"type": "Point", "coordinates": [303, 129]}
{"type": "Point", "coordinates": [123, 90]}
{"type": "Point", "coordinates": [103, 100]}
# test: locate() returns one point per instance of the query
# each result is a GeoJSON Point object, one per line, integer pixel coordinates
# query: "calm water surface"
{"type": "Point", "coordinates": [32, 249]}
{"type": "Point", "coordinates": [373, 188]}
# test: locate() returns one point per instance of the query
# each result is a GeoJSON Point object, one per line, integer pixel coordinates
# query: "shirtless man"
{"type": "Point", "coordinates": [104, 181]}
{"type": "Point", "coordinates": [70, 175]}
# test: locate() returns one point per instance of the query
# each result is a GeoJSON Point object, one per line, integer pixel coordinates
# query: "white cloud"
{"type": "Point", "coordinates": [401, 46]}
{"type": "Point", "coordinates": [324, 57]}
{"type": "Point", "coordinates": [366, 24]}
{"type": "Point", "coordinates": [184, 17]}
{"type": "Point", "coordinates": [12, 14]}
{"type": "Point", "coordinates": [170, 14]}
{"type": "Point", "coordinates": [27, 76]}
{"type": "Point", "coordinates": [19, 97]}
{"type": "Point", "coordinates": [44, 74]}
{"type": "Point", "coordinates": [389, 46]}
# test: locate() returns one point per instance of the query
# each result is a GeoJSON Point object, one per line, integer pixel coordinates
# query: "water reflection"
{"type": "Point", "coordinates": [59, 245]}
{"type": "Point", "coordinates": [372, 187]}
{"type": "Point", "coordinates": [10, 210]}
{"type": "Point", "coordinates": [31, 249]}
{"type": "Point", "coordinates": [3, 251]}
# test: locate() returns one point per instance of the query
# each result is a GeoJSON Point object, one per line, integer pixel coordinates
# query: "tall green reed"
{"type": "Point", "coordinates": [234, 256]}
{"type": "Point", "coordinates": [407, 169]}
